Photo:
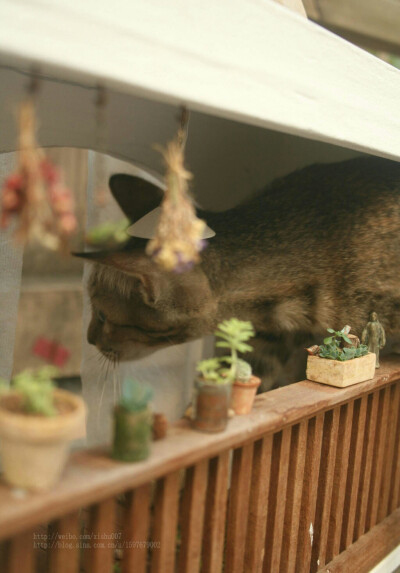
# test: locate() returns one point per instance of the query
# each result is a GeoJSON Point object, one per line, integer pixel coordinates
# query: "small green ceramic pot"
{"type": "Point", "coordinates": [132, 434]}
{"type": "Point", "coordinates": [211, 403]}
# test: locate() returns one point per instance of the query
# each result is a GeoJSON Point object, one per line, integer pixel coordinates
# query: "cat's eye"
{"type": "Point", "coordinates": [101, 316]}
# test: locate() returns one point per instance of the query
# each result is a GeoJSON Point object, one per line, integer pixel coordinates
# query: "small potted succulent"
{"type": "Point", "coordinates": [37, 422]}
{"type": "Point", "coordinates": [133, 423]}
{"type": "Point", "coordinates": [212, 396]}
{"type": "Point", "coordinates": [213, 385]}
{"type": "Point", "coordinates": [244, 388]}
{"type": "Point", "coordinates": [341, 360]}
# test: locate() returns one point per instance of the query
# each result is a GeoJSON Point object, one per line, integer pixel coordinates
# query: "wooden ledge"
{"type": "Point", "coordinates": [91, 476]}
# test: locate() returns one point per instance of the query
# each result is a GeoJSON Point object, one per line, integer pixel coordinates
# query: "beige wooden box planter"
{"type": "Point", "coordinates": [341, 374]}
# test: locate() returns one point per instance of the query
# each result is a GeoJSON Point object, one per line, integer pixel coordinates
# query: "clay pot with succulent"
{"type": "Point", "coordinates": [211, 396]}
{"type": "Point", "coordinates": [133, 423]}
{"type": "Point", "coordinates": [37, 422]}
{"type": "Point", "coordinates": [244, 388]}
{"type": "Point", "coordinates": [341, 360]}
{"type": "Point", "coordinates": [213, 386]}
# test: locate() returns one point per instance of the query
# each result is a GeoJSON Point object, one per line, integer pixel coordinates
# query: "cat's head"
{"type": "Point", "coordinates": [137, 307]}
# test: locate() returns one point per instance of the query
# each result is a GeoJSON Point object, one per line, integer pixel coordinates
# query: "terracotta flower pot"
{"type": "Point", "coordinates": [243, 395]}
{"type": "Point", "coordinates": [211, 406]}
{"type": "Point", "coordinates": [34, 449]}
{"type": "Point", "coordinates": [132, 434]}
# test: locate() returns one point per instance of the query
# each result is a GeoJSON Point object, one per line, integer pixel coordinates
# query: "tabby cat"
{"type": "Point", "coordinates": [317, 248]}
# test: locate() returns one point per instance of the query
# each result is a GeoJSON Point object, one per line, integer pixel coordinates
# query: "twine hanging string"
{"type": "Point", "coordinates": [183, 129]}
{"type": "Point", "coordinates": [178, 241]}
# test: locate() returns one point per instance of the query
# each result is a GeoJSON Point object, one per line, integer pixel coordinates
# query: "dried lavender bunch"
{"type": "Point", "coordinates": [178, 240]}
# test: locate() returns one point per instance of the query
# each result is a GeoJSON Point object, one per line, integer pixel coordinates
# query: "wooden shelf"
{"type": "Point", "coordinates": [92, 476]}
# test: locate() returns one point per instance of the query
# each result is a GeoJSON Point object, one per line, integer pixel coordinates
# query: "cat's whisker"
{"type": "Point", "coordinates": [102, 362]}
{"type": "Point", "coordinates": [93, 358]}
{"type": "Point", "coordinates": [107, 367]}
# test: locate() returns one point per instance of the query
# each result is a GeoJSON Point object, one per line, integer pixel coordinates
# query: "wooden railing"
{"type": "Point", "coordinates": [310, 481]}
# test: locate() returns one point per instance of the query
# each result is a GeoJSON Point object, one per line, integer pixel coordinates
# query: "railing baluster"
{"type": "Point", "coordinates": [339, 480]}
{"type": "Point", "coordinates": [366, 465]}
{"type": "Point", "coordinates": [377, 464]}
{"type": "Point", "coordinates": [165, 523]}
{"type": "Point", "coordinates": [294, 492]}
{"type": "Point", "coordinates": [20, 553]}
{"type": "Point", "coordinates": [324, 496]}
{"type": "Point", "coordinates": [277, 501]}
{"type": "Point", "coordinates": [136, 529]}
{"type": "Point", "coordinates": [389, 457]}
{"type": "Point", "coordinates": [309, 495]}
{"type": "Point", "coordinates": [64, 545]}
{"type": "Point", "coordinates": [238, 508]}
{"type": "Point", "coordinates": [214, 533]}
{"type": "Point", "coordinates": [353, 472]}
{"type": "Point", "coordinates": [192, 517]}
{"type": "Point", "coordinates": [99, 556]}
{"type": "Point", "coordinates": [258, 505]}
{"type": "Point", "coordinates": [395, 487]}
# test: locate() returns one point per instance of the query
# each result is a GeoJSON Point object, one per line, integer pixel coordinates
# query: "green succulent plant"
{"type": "Point", "coordinates": [243, 371]}
{"type": "Point", "coordinates": [233, 334]}
{"type": "Point", "coordinates": [36, 388]}
{"type": "Point", "coordinates": [331, 349]}
{"type": "Point", "coordinates": [135, 396]}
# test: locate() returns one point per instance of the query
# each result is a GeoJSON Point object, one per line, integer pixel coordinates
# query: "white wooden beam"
{"type": "Point", "coordinates": [254, 62]}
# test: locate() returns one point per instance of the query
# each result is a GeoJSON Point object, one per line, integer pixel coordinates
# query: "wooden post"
{"type": "Point", "coordinates": [214, 533]}
{"type": "Point", "coordinates": [324, 496]}
{"type": "Point", "coordinates": [99, 553]}
{"type": "Point", "coordinates": [293, 496]}
{"type": "Point", "coordinates": [165, 524]}
{"type": "Point", "coordinates": [238, 508]}
{"type": "Point", "coordinates": [136, 530]}
{"type": "Point", "coordinates": [258, 505]}
{"type": "Point", "coordinates": [192, 517]}
{"type": "Point", "coordinates": [64, 550]}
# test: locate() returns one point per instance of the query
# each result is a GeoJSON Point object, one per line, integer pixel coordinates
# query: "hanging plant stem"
{"type": "Point", "coordinates": [178, 240]}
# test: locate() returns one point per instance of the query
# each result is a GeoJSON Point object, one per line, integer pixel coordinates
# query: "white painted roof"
{"type": "Point", "coordinates": [254, 61]}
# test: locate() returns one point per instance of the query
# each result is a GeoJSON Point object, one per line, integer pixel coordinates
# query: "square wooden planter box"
{"type": "Point", "coordinates": [341, 374]}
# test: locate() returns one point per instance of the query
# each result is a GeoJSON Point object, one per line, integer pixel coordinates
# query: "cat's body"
{"type": "Point", "coordinates": [318, 248]}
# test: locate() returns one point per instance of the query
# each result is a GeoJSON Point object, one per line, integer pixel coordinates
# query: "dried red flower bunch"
{"type": "Point", "coordinates": [35, 195]}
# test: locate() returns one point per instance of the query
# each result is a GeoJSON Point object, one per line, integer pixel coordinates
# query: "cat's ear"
{"type": "Point", "coordinates": [134, 195]}
{"type": "Point", "coordinates": [151, 279]}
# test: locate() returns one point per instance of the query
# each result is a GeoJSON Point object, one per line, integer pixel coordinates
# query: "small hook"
{"type": "Point", "coordinates": [101, 98]}
{"type": "Point", "coordinates": [34, 82]}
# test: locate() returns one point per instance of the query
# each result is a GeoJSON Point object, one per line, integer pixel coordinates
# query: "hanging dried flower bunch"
{"type": "Point", "coordinates": [34, 195]}
{"type": "Point", "coordinates": [178, 240]}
